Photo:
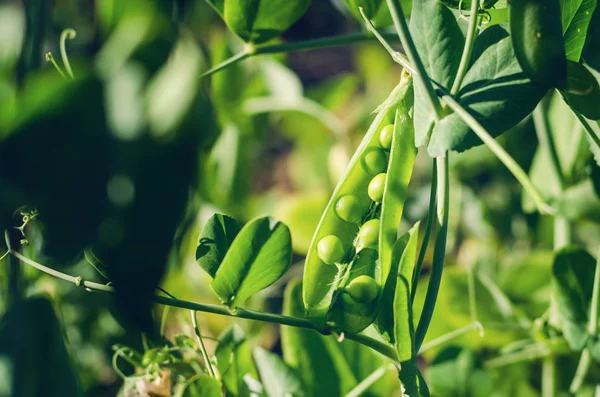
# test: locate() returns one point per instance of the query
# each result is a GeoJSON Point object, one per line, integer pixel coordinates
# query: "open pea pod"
{"type": "Point", "coordinates": [343, 275]}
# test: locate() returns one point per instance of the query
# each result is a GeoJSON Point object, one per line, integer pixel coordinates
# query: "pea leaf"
{"type": "Point", "coordinates": [257, 21]}
{"type": "Point", "coordinates": [33, 357]}
{"type": "Point", "coordinates": [439, 41]}
{"type": "Point", "coordinates": [234, 359]}
{"type": "Point", "coordinates": [215, 239]}
{"type": "Point", "coordinates": [495, 90]}
{"type": "Point", "coordinates": [573, 278]}
{"type": "Point", "coordinates": [592, 42]}
{"type": "Point", "coordinates": [202, 385]}
{"type": "Point", "coordinates": [258, 256]}
{"type": "Point", "coordinates": [576, 16]}
{"type": "Point", "coordinates": [279, 379]}
{"type": "Point", "coordinates": [459, 372]}
{"type": "Point", "coordinates": [582, 92]}
{"type": "Point", "coordinates": [316, 359]}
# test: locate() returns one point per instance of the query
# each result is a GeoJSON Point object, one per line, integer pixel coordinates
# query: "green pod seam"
{"type": "Point", "coordinates": [400, 167]}
{"type": "Point", "coordinates": [536, 31]}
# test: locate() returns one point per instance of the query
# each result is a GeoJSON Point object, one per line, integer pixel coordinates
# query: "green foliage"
{"type": "Point", "coordinates": [33, 357]}
{"type": "Point", "coordinates": [576, 17]}
{"type": "Point", "coordinates": [234, 360]}
{"type": "Point", "coordinates": [215, 239]}
{"type": "Point", "coordinates": [573, 280]}
{"type": "Point", "coordinates": [439, 41]}
{"type": "Point", "coordinates": [259, 255]}
{"type": "Point", "coordinates": [582, 91]}
{"type": "Point", "coordinates": [458, 372]}
{"type": "Point", "coordinates": [256, 21]}
{"type": "Point", "coordinates": [495, 88]}
{"type": "Point", "coordinates": [278, 378]}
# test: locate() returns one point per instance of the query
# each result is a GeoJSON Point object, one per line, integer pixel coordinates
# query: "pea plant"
{"type": "Point", "coordinates": [109, 161]}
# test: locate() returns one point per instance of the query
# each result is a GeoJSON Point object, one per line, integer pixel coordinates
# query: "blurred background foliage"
{"type": "Point", "coordinates": [288, 125]}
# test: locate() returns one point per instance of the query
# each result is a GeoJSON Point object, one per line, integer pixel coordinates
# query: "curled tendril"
{"type": "Point", "coordinates": [66, 34]}
{"type": "Point", "coordinates": [486, 17]}
{"type": "Point", "coordinates": [50, 58]}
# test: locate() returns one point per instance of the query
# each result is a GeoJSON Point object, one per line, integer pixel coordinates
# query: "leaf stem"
{"type": "Point", "coordinates": [413, 56]}
{"type": "Point", "coordinates": [364, 385]}
{"type": "Point", "coordinates": [502, 155]}
{"type": "Point", "coordinates": [66, 34]}
{"type": "Point", "coordinates": [200, 342]}
{"type": "Point", "coordinates": [451, 335]}
{"type": "Point", "coordinates": [551, 347]}
{"type": "Point", "coordinates": [381, 347]}
{"type": "Point", "coordinates": [548, 376]}
{"type": "Point", "coordinates": [428, 231]}
{"type": "Point", "coordinates": [580, 373]}
{"type": "Point", "coordinates": [468, 48]}
{"type": "Point", "coordinates": [292, 47]}
{"type": "Point", "coordinates": [439, 252]}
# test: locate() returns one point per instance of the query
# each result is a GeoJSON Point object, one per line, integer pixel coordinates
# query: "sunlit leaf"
{"type": "Point", "coordinates": [278, 379]}
{"type": "Point", "coordinates": [259, 255]}
{"type": "Point", "coordinates": [215, 239]}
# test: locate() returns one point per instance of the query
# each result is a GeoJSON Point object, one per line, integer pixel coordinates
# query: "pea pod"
{"type": "Point", "coordinates": [536, 32]}
{"type": "Point", "coordinates": [342, 266]}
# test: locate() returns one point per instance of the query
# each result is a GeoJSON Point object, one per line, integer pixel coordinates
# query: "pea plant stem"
{"type": "Point", "coordinates": [366, 383]}
{"type": "Point", "coordinates": [548, 376]}
{"type": "Point", "coordinates": [413, 56]}
{"type": "Point", "coordinates": [381, 347]}
{"type": "Point", "coordinates": [428, 231]}
{"type": "Point", "coordinates": [468, 48]}
{"type": "Point", "coordinates": [500, 153]}
{"type": "Point", "coordinates": [292, 47]}
{"type": "Point", "coordinates": [439, 252]}
{"type": "Point", "coordinates": [200, 342]}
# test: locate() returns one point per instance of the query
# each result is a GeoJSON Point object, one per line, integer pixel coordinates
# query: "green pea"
{"type": "Point", "coordinates": [331, 249]}
{"type": "Point", "coordinates": [350, 208]}
{"type": "Point", "coordinates": [347, 299]}
{"type": "Point", "coordinates": [374, 161]}
{"type": "Point", "coordinates": [363, 289]}
{"type": "Point", "coordinates": [376, 187]}
{"type": "Point", "coordinates": [385, 136]}
{"type": "Point", "coordinates": [536, 31]}
{"type": "Point", "coordinates": [368, 235]}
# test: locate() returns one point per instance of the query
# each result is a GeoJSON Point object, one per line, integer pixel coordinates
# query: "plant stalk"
{"type": "Point", "coordinates": [381, 347]}
{"type": "Point", "coordinates": [413, 56]}
{"type": "Point", "coordinates": [439, 252]}
{"type": "Point", "coordinates": [428, 231]}
{"type": "Point", "coordinates": [292, 47]}
{"type": "Point", "coordinates": [468, 48]}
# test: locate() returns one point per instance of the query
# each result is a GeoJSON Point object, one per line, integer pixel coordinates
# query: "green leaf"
{"type": "Point", "coordinates": [579, 202]}
{"type": "Point", "coordinates": [465, 5]}
{"type": "Point", "coordinates": [257, 21]}
{"type": "Point", "coordinates": [234, 360]}
{"type": "Point", "coordinates": [592, 42]}
{"type": "Point", "coordinates": [495, 90]}
{"type": "Point", "coordinates": [576, 16]}
{"type": "Point", "coordinates": [582, 92]}
{"type": "Point", "coordinates": [279, 379]}
{"type": "Point", "coordinates": [33, 358]}
{"type": "Point", "coordinates": [215, 239]}
{"type": "Point", "coordinates": [318, 360]}
{"type": "Point", "coordinates": [572, 285]}
{"type": "Point", "coordinates": [259, 255]}
{"type": "Point", "coordinates": [439, 41]}
{"type": "Point", "coordinates": [202, 385]}
{"type": "Point", "coordinates": [459, 372]}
